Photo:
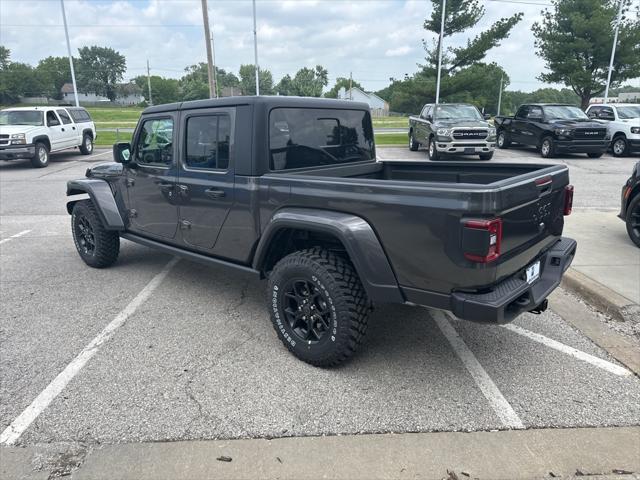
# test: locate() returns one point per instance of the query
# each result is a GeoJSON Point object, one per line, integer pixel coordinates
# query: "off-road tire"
{"type": "Point", "coordinates": [503, 142]}
{"type": "Point", "coordinates": [595, 155]}
{"type": "Point", "coordinates": [547, 147]}
{"type": "Point", "coordinates": [106, 243]}
{"type": "Point", "coordinates": [633, 220]}
{"type": "Point", "coordinates": [41, 157]}
{"type": "Point", "coordinates": [337, 287]}
{"type": "Point", "coordinates": [433, 151]}
{"type": "Point", "coordinates": [86, 148]}
{"type": "Point", "coordinates": [486, 156]}
{"type": "Point", "coordinates": [413, 145]}
{"type": "Point", "coordinates": [620, 146]}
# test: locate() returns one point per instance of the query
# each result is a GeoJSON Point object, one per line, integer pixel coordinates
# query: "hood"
{"type": "Point", "coordinates": [463, 124]}
{"type": "Point", "coordinates": [11, 129]}
{"type": "Point", "coordinates": [577, 123]}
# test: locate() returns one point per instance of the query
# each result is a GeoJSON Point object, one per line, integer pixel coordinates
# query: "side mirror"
{"type": "Point", "coordinates": [429, 118]}
{"type": "Point", "coordinates": [122, 153]}
{"type": "Point", "coordinates": [487, 116]}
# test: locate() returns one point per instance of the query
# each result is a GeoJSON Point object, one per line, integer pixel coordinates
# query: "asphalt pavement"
{"type": "Point", "coordinates": [187, 352]}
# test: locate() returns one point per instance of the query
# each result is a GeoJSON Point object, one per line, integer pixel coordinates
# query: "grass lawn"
{"type": "Point", "coordinates": [390, 122]}
{"type": "Point", "coordinates": [383, 139]}
{"type": "Point", "coordinates": [107, 139]}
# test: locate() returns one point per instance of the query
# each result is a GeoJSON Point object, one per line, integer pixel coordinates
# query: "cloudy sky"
{"type": "Point", "coordinates": [373, 39]}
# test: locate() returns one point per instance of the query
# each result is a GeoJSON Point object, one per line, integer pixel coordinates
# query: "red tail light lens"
{"type": "Point", "coordinates": [493, 239]}
{"type": "Point", "coordinates": [568, 199]}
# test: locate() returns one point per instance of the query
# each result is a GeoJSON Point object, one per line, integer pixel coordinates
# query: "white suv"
{"type": "Point", "coordinates": [34, 132]}
{"type": "Point", "coordinates": [623, 125]}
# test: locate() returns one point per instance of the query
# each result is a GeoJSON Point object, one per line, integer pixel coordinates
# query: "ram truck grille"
{"type": "Point", "coordinates": [590, 133]}
{"type": "Point", "coordinates": [469, 134]}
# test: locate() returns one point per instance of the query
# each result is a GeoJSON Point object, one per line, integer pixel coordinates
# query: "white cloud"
{"type": "Point", "coordinates": [398, 51]}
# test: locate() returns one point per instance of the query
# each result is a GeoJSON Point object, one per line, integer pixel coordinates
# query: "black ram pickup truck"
{"type": "Point", "coordinates": [553, 129]}
{"type": "Point", "coordinates": [289, 189]}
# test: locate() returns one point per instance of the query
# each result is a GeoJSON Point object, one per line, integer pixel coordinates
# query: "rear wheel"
{"type": "Point", "coordinates": [547, 148]}
{"type": "Point", "coordinates": [319, 308]}
{"type": "Point", "coordinates": [97, 246]}
{"type": "Point", "coordinates": [413, 145]}
{"type": "Point", "coordinates": [486, 156]}
{"type": "Point", "coordinates": [503, 140]}
{"type": "Point", "coordinates": [87, 144]}
{"type": "Point", "coordinates": [595, 155]}
{"type": "Point", "coordinates": [619, 146]}
{"type": "Point", "coordinates": [433, 152]}
{"type": "Point", "coordinates": [633, 220]}
{"type": "Point", "coordinates": [41, 157]}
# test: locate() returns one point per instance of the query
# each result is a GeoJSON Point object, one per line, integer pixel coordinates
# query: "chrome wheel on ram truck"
{"type": "Point", "coordinates": [433, 152]}
{"type": "Point", "coordinates": [318, 306]}
{"type": "Point", "coordinates": [633, 220]}
{"type": "Point", "coordinates": [97, 246]}
{"type": "Point", "coordinates": [619, 146]}
{"type": "Point", "coordinates": [413, 145]}
{"type": "Point", "coordinates": [547, 149]}
{"type": "Point", "coordinates": [41, 157]}
{"type": "Point", "coordinates": [87, 144]}
{"type": "Point", "coordinates": [503, 141]}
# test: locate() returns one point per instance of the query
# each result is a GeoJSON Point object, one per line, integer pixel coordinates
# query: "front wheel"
{"type": "Point", "coordinates": [87, 144]}
{"type": "Point", "coordinates": [433, 152]}
{"type": "Point", "coordinates": [595, 155]}
{"type": "Point", "coordinates": [41, 157]}
{"type": "Point", "coordinates": [547, 148]}
{"type": "Point", "coordinates": [319, 308]}
{"type": "Point", "coordinates": [413, 145]}
{"type": "Point", "coordinates": [633, 220]}
{"type": "Point", "coordinates": [486, 156]}
{"type": "Point", "coordinates": [619, 146]}
{"type": "Point", "coordinates": [503, 141]}
{"type": "Point", "coordinates": [97, 246]}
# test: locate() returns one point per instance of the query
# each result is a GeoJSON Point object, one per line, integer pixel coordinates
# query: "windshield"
{"type": "Point", "coordinates": [564, 112]}
{"type": "Point", "coordinates": [457, 112]}
{"type": "Point", "coordinates": [632, 111]}
{"type": "Point", "coordinates": [18, 117]}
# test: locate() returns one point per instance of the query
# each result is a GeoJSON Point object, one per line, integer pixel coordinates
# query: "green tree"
{"type": "Point", "coordinates": [574, 39]}
{"type": "Point", "coordinates": [5, 55]}
{"type": "Point", "coordinates": [163, 90]}
{"type": "Point", "coordinates": [54, 72]}
{"type": "Point", "coordinates": [248, 80]}
{"type": "Point", "coordinates": [99, 70]}
{"type": "Point", "coordinates": [342, 82]}
{"type": "Point", "coordinates": [307, 82]}
{"type": "Point", "coordinates": [194, 85]}
{"type": "Point", "coordinates": [19, 80]}
{"type": "Point", "coordinates": [285, 86]}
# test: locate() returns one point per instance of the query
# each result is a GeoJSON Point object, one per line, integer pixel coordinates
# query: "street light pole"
{"type": "Point", "coordinates": [207, 39]}
{"type": "Point", "coordinates": [500, 94]}
{"type": "Point", "coordinates": [613, 53]}
{"type": "Point", "coordinates": [73, 73]}
{"type": "Point", "coordinates": [149, 82]}
{"type": "Point", "coordinates": [444, 7]}
{"type": "Point", "coordinates": [255, 49]}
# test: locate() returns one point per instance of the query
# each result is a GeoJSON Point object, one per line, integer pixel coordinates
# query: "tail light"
{"type": "Point", "coordinates": [482, 240]}
{"type": "Point", "coordinates": [568, 199]}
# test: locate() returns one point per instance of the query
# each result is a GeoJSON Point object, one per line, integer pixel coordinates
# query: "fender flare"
{"type": "Point", "coordinates": [100, 193]}
{"type": "Point", "coordinates": [357, 236]}
{"type": "Point", "coordinates": [87, 131]}
{"type": "Point", "coordinates": [42, 138]}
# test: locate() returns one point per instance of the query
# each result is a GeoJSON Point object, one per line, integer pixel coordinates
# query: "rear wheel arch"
{"type": "Point", "coordinates": [88, 131]}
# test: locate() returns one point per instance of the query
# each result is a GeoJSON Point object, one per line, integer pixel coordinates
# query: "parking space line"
{"type": "Point", "coordinates": [13, 432]}
{"type": "Point", "coordinates": [561, 347]}
{"type": "Point", "coordinates": [24, 232]}
{"type": "Point", "coordinates": [499, 404]}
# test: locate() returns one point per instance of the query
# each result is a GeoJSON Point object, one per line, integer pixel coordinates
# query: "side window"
{"type": "Point", "coordinates": [64, 116]}
{"type": "Point", "coordinates": [606, 113]}
{"type": "Point", "coordinates": [155, 142]}
{"type": "Point", "coordinates": [534, 112]}
{"type": "Point", "coordinates": [522, 111]}
{"type": "Point", "coordinates": [593, 112]}
{"type": "Point", "coordinates": [52, 119]}
{"type": "Point", "coordinates": [208, 139]}
{"type": "Point", "coordinates": [425, 111]}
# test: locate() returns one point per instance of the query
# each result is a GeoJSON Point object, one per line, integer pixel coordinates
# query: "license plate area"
{"type": "Point", "coordinates": [469, 150]}
{"type": "Point", "coordinates": [532, 272]}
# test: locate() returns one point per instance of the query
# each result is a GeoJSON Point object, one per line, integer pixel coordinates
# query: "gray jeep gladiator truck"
{"type": "Point", "coordinates": [289, 189]}
{"type": "Point", "coordinates": [452, 129]}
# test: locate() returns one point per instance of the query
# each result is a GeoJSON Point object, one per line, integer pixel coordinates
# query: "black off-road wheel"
{"type": "Point", "coordinates": [41, 157]}
{"type": "Point", "coordinates": [87, 144]}
{"type": "Point", "coordinates": [318, 306]}
{"type": "Point", "coordinates": [97, 246]}
{"type": "Point", "coordinates": [486, 156]}
{"type": "Point", "coordinates": [633, 220]}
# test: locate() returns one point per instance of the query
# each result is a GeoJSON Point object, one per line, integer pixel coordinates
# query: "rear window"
{"type": "Point", "coordinates": [309, 137]}
{"type": "Point", "coordinates": [79, 115]}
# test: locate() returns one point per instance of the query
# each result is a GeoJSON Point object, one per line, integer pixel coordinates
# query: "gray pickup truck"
{"type": "Point", "coordinates": [289, 189]}
{"type": "Point", "coordinates": [452, 129]}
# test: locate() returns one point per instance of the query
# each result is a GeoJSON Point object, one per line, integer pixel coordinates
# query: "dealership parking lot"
{"type": "Point", "coordinates": [193, 354]}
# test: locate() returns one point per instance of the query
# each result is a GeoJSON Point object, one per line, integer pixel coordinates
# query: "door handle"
{"type": "Point", "coordinates": [73, 128]}
{"type": "Point", "coordinates": [62, 129]}
{"type": "Point", "coordinates": [212, 193]}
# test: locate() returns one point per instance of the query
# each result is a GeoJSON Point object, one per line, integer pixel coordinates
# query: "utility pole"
{"type": "Point", "coordinates": [444, 7]}
{"type": "Point", "coordinates": [207, 37]}
{"type": "Point", "coordinates": [149, 83]}
{"type": "Point", "coordinates": [350, 85]}
{"type": "Point", "coordinates": [500, 94]}
{"type": "Point", "coordinates": [215, 70]}
{"type": "Point", "coordinates": [613, 53]}
{"type": "Point", "coordinates": [255, 48]}
{"type": "Point", "coordinates": [73, 73]}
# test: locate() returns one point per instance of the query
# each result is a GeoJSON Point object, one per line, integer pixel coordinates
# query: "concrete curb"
{"type": "Point", "coordinates": [601, 297]}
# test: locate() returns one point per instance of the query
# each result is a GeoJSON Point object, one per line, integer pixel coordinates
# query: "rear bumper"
{"type": "Point", "coordinates": [12, 153]}
{"type": "Point", "coordinates": [510, 297]}
{"type": "Point", "coordinates": [582, 146]}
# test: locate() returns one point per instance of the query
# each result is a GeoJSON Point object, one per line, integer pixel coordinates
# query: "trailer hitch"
{"type": "Point", "coordinates": [540, 308]}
